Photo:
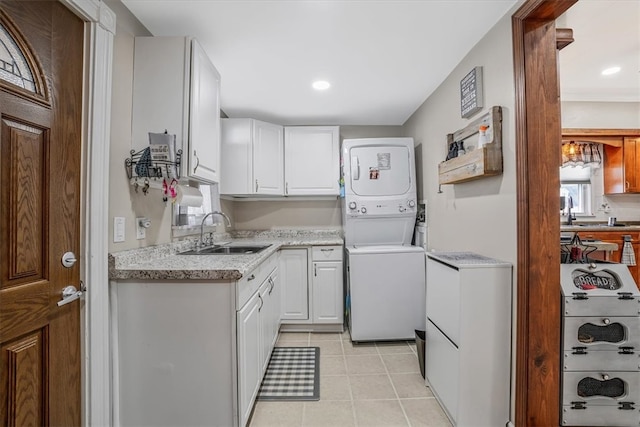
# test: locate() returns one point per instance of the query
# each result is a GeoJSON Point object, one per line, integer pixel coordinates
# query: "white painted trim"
{"type": "Point", "coordinates": [99, 33]}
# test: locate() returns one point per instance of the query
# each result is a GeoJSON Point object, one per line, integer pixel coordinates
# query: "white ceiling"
{"type": "Point", "coordinates": [606, 33]}
{"type": "Point", "coordinates": [382, 57]}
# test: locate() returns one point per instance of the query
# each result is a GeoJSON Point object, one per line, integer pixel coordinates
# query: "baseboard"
{"type": "Point", "coordinates": [292, 327]}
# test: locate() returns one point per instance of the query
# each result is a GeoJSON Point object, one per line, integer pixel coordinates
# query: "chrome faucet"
{"type": "Point", "coordinates": [224, 215]}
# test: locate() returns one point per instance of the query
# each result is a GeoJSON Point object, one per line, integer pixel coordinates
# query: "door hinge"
{"type": "Point", "coordinates": [580, 295]}
{"type": "Point", "coordinates": [625, 295]}
{"type": "Point", "coordinates": [626, 406]}
{"type": "Point", "coordinates": [578, 405]}
{"type": "Point", "coordinates": [579, 350]}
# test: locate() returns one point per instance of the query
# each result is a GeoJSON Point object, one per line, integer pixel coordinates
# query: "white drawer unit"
{"type": "Point", "coordinates": [468, 337]}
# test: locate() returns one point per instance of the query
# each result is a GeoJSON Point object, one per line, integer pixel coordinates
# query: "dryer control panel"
{"type": "Point", "coordinates": [356, 208]}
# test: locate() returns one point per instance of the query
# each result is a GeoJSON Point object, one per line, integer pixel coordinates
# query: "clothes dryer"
{"type": "Point", "coordinates": [385, 274]}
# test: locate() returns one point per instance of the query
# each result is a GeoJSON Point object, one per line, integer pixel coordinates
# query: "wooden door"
{"type": "Point", "coordinates": [40, 152]}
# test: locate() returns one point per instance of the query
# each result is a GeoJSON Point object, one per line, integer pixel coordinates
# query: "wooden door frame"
{"type": "Point", "coordinates": [100, 28]}
{"type": "Point", "coordinates": [538, 136]}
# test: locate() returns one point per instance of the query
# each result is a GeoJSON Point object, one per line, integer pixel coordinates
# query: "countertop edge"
{"type": "Point", "coordinates": [163, 263]}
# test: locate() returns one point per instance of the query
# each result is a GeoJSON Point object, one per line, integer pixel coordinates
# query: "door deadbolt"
{"type": "Point", "coordinates": [69, 259]}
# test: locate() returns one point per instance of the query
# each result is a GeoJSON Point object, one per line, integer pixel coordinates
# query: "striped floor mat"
{"type": "Point", "coordinates": [293, 374]}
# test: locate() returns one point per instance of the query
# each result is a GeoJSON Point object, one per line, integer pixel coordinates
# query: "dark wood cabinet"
{"type": "Point", "coordinates": [617, 237]}
{"type": "Point", "coordinates": [622, 167]}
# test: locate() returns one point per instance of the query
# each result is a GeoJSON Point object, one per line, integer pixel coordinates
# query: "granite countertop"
{"type": "Point", "coordinates": [163, 262]}
{"type": "Point", "coordinates": [597, 226]}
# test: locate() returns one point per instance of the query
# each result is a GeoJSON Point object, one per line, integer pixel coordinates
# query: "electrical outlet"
{"type": "Point", "coordinates": [118, 229]}
{"type": "Point", "coordinates": [141, 231]}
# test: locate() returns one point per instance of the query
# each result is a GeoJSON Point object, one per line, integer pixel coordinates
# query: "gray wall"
{"type": "Point", "coordinates": [480, 215]}
{"type": "Point", "coordinates": [123, 200]}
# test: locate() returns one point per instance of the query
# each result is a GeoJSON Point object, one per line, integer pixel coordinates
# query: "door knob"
{"type": "Point", "coordinates": [69, 294]}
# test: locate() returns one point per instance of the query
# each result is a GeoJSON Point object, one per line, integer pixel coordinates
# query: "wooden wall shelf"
{"type": "Point", "coordinates": [476, 163]}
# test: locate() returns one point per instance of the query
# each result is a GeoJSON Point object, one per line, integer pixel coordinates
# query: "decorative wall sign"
{"type": "Point", "coordinates": [471, 100]}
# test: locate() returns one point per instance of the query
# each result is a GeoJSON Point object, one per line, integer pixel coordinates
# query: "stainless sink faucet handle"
{"type": "Point", "coordinates": [226, 218]}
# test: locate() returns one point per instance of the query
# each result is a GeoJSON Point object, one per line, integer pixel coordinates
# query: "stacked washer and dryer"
{"type": "Point", "coordinates": [385, 274]}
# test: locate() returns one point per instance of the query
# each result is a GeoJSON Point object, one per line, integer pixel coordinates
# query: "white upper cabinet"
{"type": "Point", "coordinates": [252, 158]}
{"type": "Point", "coordinates": [176, 88]}
{"type": "Point", "coordinates": [311, 160]}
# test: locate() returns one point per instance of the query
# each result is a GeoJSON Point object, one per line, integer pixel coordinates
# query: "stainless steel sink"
{"type": "Point", "coordinates": [228, 250]}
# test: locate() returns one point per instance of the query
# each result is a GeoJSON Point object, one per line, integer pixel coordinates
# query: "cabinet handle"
{"type": "Point", "coordinates": [327, 250]}
{"type": "Point", "coordinates": [626, 185]}
{"type": "Point", "coordinates": [197, 161]}
{"type": "Point", "coordinates": [261, 303]}
{"type": "Point", "coordinates": [315, 269]}
{"type": "Point", "coordinates": [251, 277]}
{"type": "Point", "coordinates": [272, 285]}
{"type": "Point", "coordinates": [256, 185]}
{"type": "Point", "coordinates": [286, 188]}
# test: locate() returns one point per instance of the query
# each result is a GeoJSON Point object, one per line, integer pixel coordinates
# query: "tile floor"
{"type": "Point", "coordinates": [363, 385]}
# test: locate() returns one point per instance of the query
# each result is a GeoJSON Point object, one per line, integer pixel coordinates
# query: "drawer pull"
{"type": "Point", "coordinates": [327, 250]}
{"type": "Point", "coordinates": [251, 277]}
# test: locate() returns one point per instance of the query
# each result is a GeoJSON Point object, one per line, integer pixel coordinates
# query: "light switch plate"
{"type": "Point", "coordinates": [118, 229]}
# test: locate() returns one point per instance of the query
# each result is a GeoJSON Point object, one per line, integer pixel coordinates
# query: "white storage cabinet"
{"type": "Point", "coordinates": [312, 160]}
{"type": "Point", "coordinates": [327, 284]}
{"type": "Point", "coordinates": [468, 337]}
{"type": "Point", "coordinates": [257, 334]}
{"type": "Point", "coordinates": [177, 88]}
{"type": "Point", "coordinates": [252, 158]}
{"type": "Point", "coordinates": [294, 278]}
{"type": "Point", "coordinates": [193, 352]}
{"type": "Point", "coordinates": [312, 298]}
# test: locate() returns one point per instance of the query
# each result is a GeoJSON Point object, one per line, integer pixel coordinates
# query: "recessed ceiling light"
{"type": "Point", "coordinates": [321, 85]}
{"type": "Point", "coordinates": [609, 71]}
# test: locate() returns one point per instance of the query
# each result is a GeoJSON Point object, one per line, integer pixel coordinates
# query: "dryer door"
{"type": "Point", "coordinates": [380, 170]}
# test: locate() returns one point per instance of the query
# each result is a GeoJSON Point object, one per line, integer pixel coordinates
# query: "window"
{"type": "Point", "coordinates": [576, 182]}
{"type": "Point", "coordinates": [13, 64]}
{"type": "Point", "coordinates": [190, 217]}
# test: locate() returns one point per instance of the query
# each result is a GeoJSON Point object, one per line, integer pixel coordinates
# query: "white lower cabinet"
{"type": "Point", "coordinates": [294, 278]}
{"type": "Point", "coordinates": [249, 355]}
{"type": "Point", "coordinates": [193, 352]}
{"type": "Point", "coordinates": [312, 299]}
{"type": "Point", "coordinates": [257, 332]}
{"type": "Point", "coordinates": [327, 285]}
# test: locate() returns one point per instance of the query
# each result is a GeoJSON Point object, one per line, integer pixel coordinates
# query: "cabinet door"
{"type": "Point", "coordinates": [249, 363]}
{"type": "Point", "coordinates": [312, 160]}
{"type": "Point", "coordinates": [160, 78]}
{"type": "Point", "coordinates": [204, 118]}
{"type": "Point", "coordinates": [268, 161]}
{"type": "Point", "coordinates": [632, 165]}
{"type": "Point", "coordinates": [275, 298]}
{"type": "Point", "coordinates": [266, 329]}
{"type": "Point", "coordinates": [294, 284]}
{"type": "Point", "coordinates": [237, 156]}
{"type": "Point", "coordinates": [327, 292]}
